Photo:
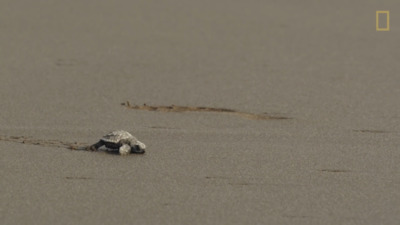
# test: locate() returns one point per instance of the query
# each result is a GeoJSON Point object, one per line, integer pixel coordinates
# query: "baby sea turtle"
{"type": "Point", "coordinates": [120, 140]}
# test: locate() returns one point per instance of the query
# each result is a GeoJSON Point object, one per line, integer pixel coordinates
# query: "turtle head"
{"type": "Point", "coordinates": [139, 148]}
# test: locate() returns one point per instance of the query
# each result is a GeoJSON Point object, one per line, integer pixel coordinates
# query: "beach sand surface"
{"type": "Point", "coordinates": [327, 80]}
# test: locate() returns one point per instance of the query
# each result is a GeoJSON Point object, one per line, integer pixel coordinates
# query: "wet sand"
{"type": "Point", "coordinates": [256, 112]}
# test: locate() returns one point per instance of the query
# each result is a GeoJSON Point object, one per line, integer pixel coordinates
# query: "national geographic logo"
{"type": "Point", "coordinates": [381, 18]}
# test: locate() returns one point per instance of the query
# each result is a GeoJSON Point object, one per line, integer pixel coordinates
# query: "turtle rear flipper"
{"type": "Point", "coordinates": [96, 146]}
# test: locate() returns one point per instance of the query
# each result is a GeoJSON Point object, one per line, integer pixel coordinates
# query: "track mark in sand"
{"type": "Point", "coordinates": [45, 143]}
{"type": "Point", "coordinates": [335, 171]}
{"type": "Point", "coordinates": [373, 131]}
{"type": "Point", "coordinates": [78, 178]}
{"type": "Point", "coordinates": [234, 181]}
{"type": "Point", "coordinates": [297, 216]}
{"type": "Point", "coordinates": [161, 127]}
{"type": "Point", "coordinates": [175, 108]}
{"type": "Point", "coordinates": [69, 62]}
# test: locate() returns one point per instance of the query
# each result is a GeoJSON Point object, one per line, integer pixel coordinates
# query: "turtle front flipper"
{"type": "Point", "coordinates": [96, 146]}
{"type": "Point", "coordinates": [125, 149]}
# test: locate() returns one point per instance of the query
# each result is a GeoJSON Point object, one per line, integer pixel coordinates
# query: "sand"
{"type": "Point", "coordinates": [66, 67]}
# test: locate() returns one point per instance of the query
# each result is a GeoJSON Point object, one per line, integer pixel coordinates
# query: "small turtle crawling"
{"type": "Point", "coordinates": [122, 141]}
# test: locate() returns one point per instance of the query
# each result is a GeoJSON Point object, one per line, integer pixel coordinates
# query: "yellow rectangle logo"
{"type": "Point", "coordinates": [387, 28]}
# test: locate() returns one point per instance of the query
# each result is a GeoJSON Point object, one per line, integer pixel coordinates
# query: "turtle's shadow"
{"type": "Point", "coordinates": [114, 152]}
{"type": "Point", "coordinates": [117, 153]}
{"type": "Point", "coordinates": [107, 151]}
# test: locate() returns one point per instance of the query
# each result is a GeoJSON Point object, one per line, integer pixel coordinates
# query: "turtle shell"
{"type": "Point", "coordinates": [119, 137]}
